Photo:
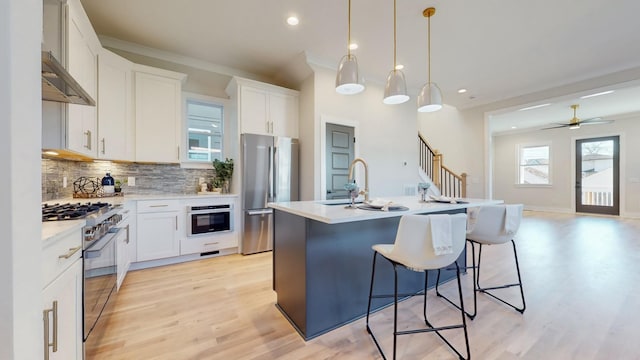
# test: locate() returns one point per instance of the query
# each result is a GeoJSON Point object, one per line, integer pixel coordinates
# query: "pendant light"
{"type": "Point", "coordinates": [430, 97]}
{"type": "Point", "coordinates": [395, 92]}
{"type": "Point", "coordinates": [347, 77]}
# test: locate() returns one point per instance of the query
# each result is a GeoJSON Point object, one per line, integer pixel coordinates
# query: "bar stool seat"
{"type": "Point", "coordinates": [487, 226]}
{"type": "Point", "coordinates": [422, 243]}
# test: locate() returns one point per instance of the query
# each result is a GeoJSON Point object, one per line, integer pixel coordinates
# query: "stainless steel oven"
{"type": "Point", "coordinates": [99, 278]}
{"type": "Point", "coordinates": [207, 219]}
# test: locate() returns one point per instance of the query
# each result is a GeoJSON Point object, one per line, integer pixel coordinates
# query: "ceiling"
{"type": "Point", "coordinates": [497, 49]}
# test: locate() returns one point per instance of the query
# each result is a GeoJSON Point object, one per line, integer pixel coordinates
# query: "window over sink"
{"type": "Point", "coordinates": [204, 120]}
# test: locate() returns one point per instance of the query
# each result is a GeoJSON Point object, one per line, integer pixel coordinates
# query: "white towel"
{"type": "Point", "coordinates": [511, 219]}
{"type": "Point", "coordinates": [472, 218]}
{"type": "Point", "coordinates": [441, 234]}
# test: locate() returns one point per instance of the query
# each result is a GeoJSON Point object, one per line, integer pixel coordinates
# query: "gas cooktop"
{"type": "Point", "coordinates": [73, 211]}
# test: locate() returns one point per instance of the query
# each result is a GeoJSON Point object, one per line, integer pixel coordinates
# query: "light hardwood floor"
{"type": "Point", "coordinates": [581, 279]}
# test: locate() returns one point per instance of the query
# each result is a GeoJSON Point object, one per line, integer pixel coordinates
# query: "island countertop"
{"type": "Point", "coordinates": [335, 212]}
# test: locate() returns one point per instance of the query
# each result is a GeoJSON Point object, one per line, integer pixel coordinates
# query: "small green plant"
{"type": "Point", "coordinates": [224, 171]}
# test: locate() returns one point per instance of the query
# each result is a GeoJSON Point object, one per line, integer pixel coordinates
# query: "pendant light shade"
{"type": "Point", "coordinates": [347, 79]}
{"type": "Point", "coordinates": [395, 92]}
{"type": "Point", "coordinates": [430, 97]}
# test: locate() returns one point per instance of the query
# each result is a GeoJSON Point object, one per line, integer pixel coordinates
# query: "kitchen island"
{"type": "Point", "coordinates": [322, 259]}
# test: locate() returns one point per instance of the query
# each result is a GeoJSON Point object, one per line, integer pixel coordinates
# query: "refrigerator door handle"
{"type": "Point", "coordinates": [259, 212]}
{"type": "Point", "coordinates": [274, 182]}
{"type": "Point", "coordinates": [270, 174]}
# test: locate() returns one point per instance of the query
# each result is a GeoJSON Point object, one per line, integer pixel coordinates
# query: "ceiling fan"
{"type": "Point", "coordinates": [575, 123]}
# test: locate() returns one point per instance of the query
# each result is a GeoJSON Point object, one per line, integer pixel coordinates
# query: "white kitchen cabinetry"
{"type": "Point", "coordinates": [123, 246]}
{"type": "Point", "coordinates": [116, 128]}
{"type": "Point", "coordinates": [264, 108]}
{"type": "Point", "coordinates": [158, 114]}
{"type": "Point", "coordinates": [159, 224]}
{"type": "Point", "coordinates": [69, 126]}
{"type": "Point", "coordinates": [62, 297]}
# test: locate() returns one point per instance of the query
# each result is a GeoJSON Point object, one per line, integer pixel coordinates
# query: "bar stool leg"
{"type": "Point", "coordinates": [478, 288]}
{"type": "Point", "coordinates": [475, 301]}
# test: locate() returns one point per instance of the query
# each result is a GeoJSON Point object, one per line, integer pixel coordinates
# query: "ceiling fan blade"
{"type": "Point", "coordinates": [556, 127]}
{"type": "Point", "coordinates": [594, 121]}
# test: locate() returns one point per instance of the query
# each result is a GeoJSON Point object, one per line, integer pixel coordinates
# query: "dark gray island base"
{"type": "Point", "coordinates": [322, 271]}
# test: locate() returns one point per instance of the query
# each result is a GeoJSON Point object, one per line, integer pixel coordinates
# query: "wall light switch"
{"type": "Point", "coordinates": [64, 181]}
{"type": "Point", "coordinates": [131, 181]}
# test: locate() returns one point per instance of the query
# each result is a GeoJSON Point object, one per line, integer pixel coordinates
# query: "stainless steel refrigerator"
{"type": "Point", "coordinates": [269, 174]}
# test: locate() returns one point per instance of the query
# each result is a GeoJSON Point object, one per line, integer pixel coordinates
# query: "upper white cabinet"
{"type": "Point", "coordinates": [69, 126]}
{"type": "Point", "coordinates": [264, 108]}
{"type": "Point", "coordinates": [116, 128]}
{"type": "Point", "coordinates": [158, 114]}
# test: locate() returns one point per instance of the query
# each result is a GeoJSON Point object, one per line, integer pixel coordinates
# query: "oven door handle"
{"type": "Point", "coordinates": [96, 248]}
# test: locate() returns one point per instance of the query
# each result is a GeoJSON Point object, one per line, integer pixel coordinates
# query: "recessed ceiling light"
{"type": "Point", "coordinates": [514, 127]}
{"type": "Point", "coordinates": [462, 91]}
{"type": "Point", "coordinates": [399, 67]}
{"type": "Point", "coordinates": [596, 94]}
{"type": "Point", "coordinates": [353, 46]}
{"type": "Point", "coordinates": [293, 21]}
{"type": "Point", "coordinates": [534, 107]}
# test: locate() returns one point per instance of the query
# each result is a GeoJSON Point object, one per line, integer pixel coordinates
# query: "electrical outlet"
{"type": "Point", "coordinates": [64, 181]}
{"type": "Point", "coordinates": [131, 181]}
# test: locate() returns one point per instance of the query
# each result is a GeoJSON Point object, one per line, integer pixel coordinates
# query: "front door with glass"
{"type": "Point", "coordinates": [598, 175]}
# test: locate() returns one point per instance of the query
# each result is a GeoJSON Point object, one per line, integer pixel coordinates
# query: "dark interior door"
{"type": "Point", "coordinates": [339, 154]}
{"type": "Point", "coordinates": [598, 175]}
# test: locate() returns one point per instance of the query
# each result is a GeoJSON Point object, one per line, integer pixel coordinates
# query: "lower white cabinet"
{"type": "Point", "coordinates": [159, 227]}
{"type": "Point", "coordinates": [123, 250]}
{"type": "Point", "coordinates": [62, 315]}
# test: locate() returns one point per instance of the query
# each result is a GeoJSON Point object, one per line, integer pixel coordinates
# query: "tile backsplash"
{"type": "Point", "coordinates": [149, 178]}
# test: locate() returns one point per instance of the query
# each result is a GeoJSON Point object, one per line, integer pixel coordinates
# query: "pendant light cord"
{"type": "Point", "coordinates": [349, 33]}
{"type": "Point", "coordinates": [394, 34]}
{"type": "Point", "coordinates": [428, 48]}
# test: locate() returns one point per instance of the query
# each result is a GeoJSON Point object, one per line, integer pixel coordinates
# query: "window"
{"type": "Point", "coordinates": [204, 130]}
{"type": "Point", "coordinates": [533, 165]}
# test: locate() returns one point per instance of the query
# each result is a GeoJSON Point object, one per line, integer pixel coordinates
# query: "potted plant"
{"type": "Point", "coordinates": [224, 171]}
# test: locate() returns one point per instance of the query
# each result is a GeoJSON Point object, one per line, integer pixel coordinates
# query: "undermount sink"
{"type": "Point", "coordinates": [376, 208]}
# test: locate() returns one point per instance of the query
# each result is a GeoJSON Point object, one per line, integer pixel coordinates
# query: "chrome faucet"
{"type": "Point", "coordinates": [366, 176]}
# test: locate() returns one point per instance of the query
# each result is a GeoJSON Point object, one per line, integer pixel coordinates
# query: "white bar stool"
{"type": "Point", "coordinates": [492, 225]}
{"type": "Point", "coordinates": [414, 250]}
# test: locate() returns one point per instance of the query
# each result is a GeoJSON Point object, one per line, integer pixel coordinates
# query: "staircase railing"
{"type": "Point", "coordinates": [449, 183]}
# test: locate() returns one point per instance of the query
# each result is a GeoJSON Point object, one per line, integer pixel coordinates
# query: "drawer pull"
{"type": "Point", "coordinates": [161, 205]}
{"type": "Point", "coordinates": [47, 343]}
{"type": "Point", "coordinates": [70, 252]}
{"type": "Point", "coordinates": [212, 243]}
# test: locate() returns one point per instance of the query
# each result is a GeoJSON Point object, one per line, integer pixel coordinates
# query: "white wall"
{"type": "Point", "coordinates": [459, 136]}
{"type": "Point", "coordinates": [560, 195]}
{"type": "Point", "coordinates": [387, 134]}
{"type": "Point", "coordinates": [20, 138]}
{"type": "Point", "coordinates": [306, 132]}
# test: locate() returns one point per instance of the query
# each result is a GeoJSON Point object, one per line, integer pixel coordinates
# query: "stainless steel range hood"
{"type": "Point", "coordinates": [58, 85]}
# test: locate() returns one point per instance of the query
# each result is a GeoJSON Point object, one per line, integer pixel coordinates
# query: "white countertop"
{"type": "Point", "coordinates": [51, 229]}
{"type": "Point", "coordinates": [335, 214]}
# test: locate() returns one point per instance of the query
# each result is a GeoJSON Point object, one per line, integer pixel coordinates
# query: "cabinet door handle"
{"type": "Point", "coordinates": [272, 127]}
{"type": "Point", "coordinates": [88, 134]}
{"type": "Point", "coordinates": [104, 146]}
{"type": "Point", "coordinates": [70, 253]}
{"type": "Point", "coordinates": [176, 222]}
{"type": "Point", "coordinates": [54, 343]}
{"type": "Point", "coordinates": [127, 227]}
{"type": "Point", "coordinates": [178, 152]}
{"type": "Point", "coordinates": [212, 243]}
{"type": "Point", "coordinates": [266, 126]}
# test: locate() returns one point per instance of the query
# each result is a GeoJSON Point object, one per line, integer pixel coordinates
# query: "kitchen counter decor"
{"type": "Point", "coordinates": [86, 187]}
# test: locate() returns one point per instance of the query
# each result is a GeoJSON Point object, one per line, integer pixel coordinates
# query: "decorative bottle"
{"type": "Point", "coordinates": [108, 184]}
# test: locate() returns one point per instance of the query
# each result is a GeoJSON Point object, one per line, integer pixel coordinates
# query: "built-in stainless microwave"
{"type": "Point", "coordinates": [208, 219]}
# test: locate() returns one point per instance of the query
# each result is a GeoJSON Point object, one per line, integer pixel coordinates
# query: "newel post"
{"type": "Point", "coordinates": [463, 184]}
{"type": "Point", "coordinates": [437, 167]}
